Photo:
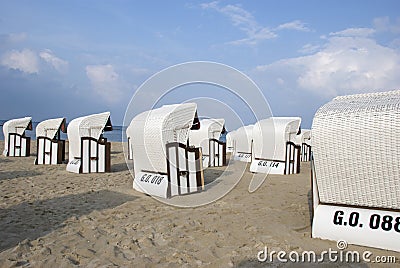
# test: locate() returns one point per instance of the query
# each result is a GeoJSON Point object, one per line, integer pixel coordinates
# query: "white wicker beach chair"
{"type": "Point", "coordinates": [230, 143]}
{"type": "Point", "coordinates": [89, 151]}
{"type": "Point", "coordinates": [274, 150]}
{"type": "Point", "coordinates": [50, 146]}
{"type": "Point", "coordinates": [242, 140]}
{"type": "Point", "coordinates": [304, 140]}
{"type": "Point", "coordinates": [15, 141]}
{"type": "Point", "coordinates": [207, 138]}
{"type": "Point", "coordinates": [356, 171]}
{"type": "Point", "coordinates": [164, 165]}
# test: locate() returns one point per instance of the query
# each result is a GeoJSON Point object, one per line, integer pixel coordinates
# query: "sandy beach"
{"type": "Point", "coordinates": [50, 217]}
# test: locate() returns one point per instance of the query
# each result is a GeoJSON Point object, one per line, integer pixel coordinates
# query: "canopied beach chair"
{"type": "Point", "coordinates": [230, 143]}
{"type": "Point", "coordinates": [356, 171]}
{"type": "Point", "coordinates": [274, 150]}
{"type": "Point", "coordinates": [89, 151]}
{"type": "Point", "coordinates": [15, 141]}
{"type": "Point", "coordinates": [242, 140]}
{"type": "Point", "coordinates": [304, 140]}
{"type": "Point", "coordinates": [207, 138]}
{"type": "Point", "coordinates": [164, 165]}
{"type": "Point", "coordinates": [50, 146]}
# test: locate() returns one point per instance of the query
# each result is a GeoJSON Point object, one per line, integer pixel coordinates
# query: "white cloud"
{"type": "Point", "coordinates": [25, 61]}
{"type": "Point", "coordinates": [309, 48]}
{"type": "Point", "coordinates": [244, 21]}
{"type": "Point", "coordinates": [294, 25]}
{"type": "Point", "coordinates": [383, 24]}
{"type": "Point", "coordinates": [57, 63]}
{"type": "Point", "coordinates": [345, 64]}
{"type": "Point", "coordinates": [140, 71]}
{"type": "Point", "coordinates": [254, 38]}
{"type": "Point", "coordinates": [355, 32]}
{"type": "Point", "coordinates": [16, 37]}
{"type": "Point", "coordinates": [106, 82]}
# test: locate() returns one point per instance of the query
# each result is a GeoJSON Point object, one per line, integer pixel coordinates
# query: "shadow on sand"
{"type": "Point", "coordinates": [31, 220]}
{"type": "Point", "coordinates": [119, 167]}
{"type": "Point", "coordinates": [8, 175]}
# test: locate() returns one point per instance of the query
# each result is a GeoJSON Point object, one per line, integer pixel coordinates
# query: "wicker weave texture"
{"type": "Point", "coordinates": [93, 125]}
{"type": "Point", "coordinates": [86, 126]}
{"type": "Point", "coordinates": [356, 145]}
{"type": "Point", "coordinates": [49, 128]}
{"type": "Point", "coordinates": [18, 125]}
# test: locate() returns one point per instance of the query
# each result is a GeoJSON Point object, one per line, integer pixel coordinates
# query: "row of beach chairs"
{"type": "Point", "coordinates": [88, 152]}
{"type": "Point", "coordinates": [353, 147]}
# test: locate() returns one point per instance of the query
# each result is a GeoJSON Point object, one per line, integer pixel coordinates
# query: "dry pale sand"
{"type": "Point", "coordinates": [52, 218]}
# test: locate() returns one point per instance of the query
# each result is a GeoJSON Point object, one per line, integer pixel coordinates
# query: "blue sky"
{"type": "Point", "coordinates": [72, 58]}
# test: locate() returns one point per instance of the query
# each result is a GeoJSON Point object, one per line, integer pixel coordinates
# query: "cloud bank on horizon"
{"type": "Point", "coordinates": [349, 61]}
{"type": "Point", "coordinates": [300, 54]}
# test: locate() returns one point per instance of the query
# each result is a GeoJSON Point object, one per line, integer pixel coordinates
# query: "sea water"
{"type": "Point", "coordinates": [114, 135]}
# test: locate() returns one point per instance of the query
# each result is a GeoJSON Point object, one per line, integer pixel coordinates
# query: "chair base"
{"type": "Point", "coordinates": [154, 184]}
{"type": "Point", "coordinates": [268, 166]}
{"type": "Point", "coordinates": [18, 145]}
{"type": "Point", "coordinates": [243, 157]}
{"type": "Point", "coordinates": [372, 227]}
{"type": "Point", "coordinates": [94, 158]}
{"type": "Point", "coordinates": [359, 226]}
{"type": "Point", "coordinates": [291, 164]}
{"type": "Point", "coordinates": [184, 173]}
{"type": "Point", "coordinates": [49, 151]}
{"type": "Point", "coordinates": [74, 166]}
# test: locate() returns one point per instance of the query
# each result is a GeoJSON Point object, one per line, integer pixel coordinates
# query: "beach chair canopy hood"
{"type": "Point", "coordinates": [243, 139]}
{"type": "Point", "coordinates": [271, 135]}
{"type": "Point", "coordinates": [303, 137]}
{"type": "Point", "coordinates": [49, 128]}
{"type": "Point", "coordinates": [18, 126]}
{"type": "Point", "coordinates": [150, 131]}
{"type": "Point", "coordinates": [209, 129]}
{"type": "Point", "coordinates": [87, 126]}
{"type": "Point", "coordinates": [356, 145]}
